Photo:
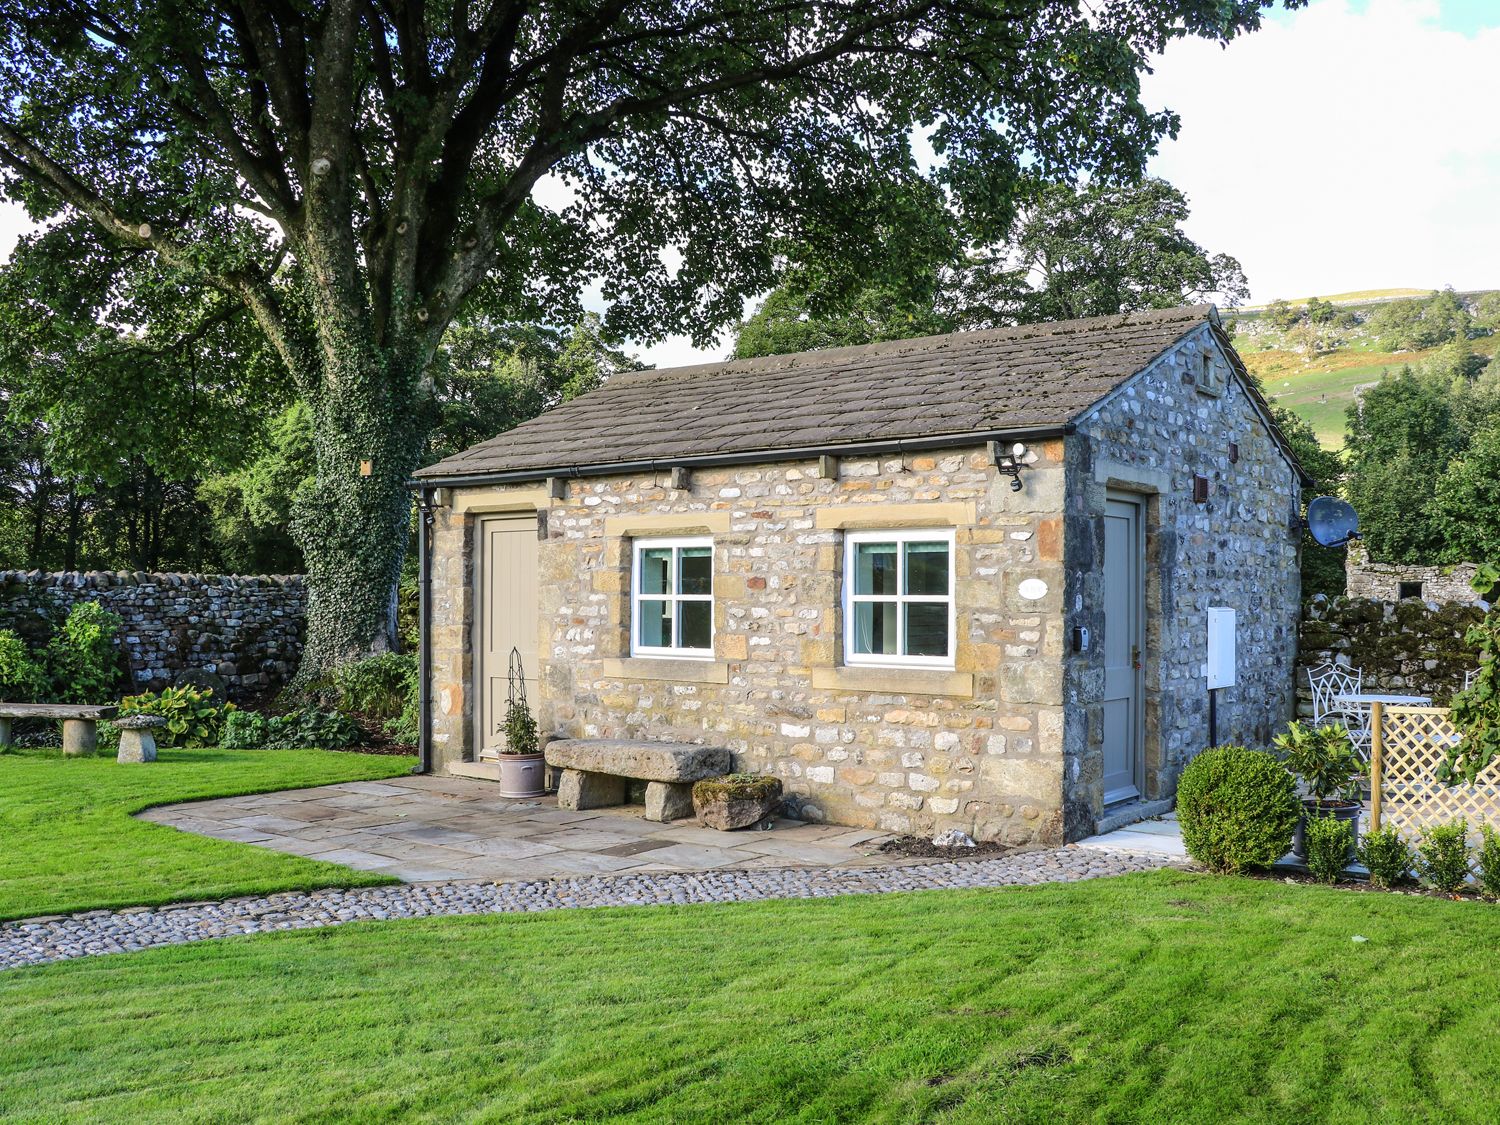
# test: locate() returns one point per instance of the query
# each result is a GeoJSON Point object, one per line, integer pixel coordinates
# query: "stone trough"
{"type": "Point", "coordinates": [596, 771]}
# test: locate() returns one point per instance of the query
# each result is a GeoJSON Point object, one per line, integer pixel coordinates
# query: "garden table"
{"type": "Point", "coordinates": [1358, 705]}
{"type": "Point", "coordinates": [1355, 700]}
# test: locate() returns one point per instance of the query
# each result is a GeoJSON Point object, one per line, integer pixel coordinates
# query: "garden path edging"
{"type": "Point", "coordinates": [44, 940]}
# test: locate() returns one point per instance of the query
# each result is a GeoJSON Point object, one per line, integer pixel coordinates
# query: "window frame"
{"type": "Point", "coordinates": [849, 599]}
{"type": "Point", "coordinates": [637, 597]}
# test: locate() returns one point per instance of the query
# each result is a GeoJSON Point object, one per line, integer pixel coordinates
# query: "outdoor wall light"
{"type": "Point", "coordinates": [1010, 463]}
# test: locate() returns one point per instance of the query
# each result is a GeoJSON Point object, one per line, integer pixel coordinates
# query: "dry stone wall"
{"type": "Point", "coordinates": [1403, 648]}
{"type": "Point", "coordinates": [1392, 582]}
{"type": "Point", "coordinates": [246, 631]}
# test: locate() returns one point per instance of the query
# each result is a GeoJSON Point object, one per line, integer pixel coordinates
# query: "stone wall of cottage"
{"type": "Point", "coordinates": [245, 631]}
{"type": "Point", "coordinates": [1236, 549]}
{"type": "Point", "coordinates": [978, 748]}
{"type": "Point", "coordinates": [1384, 582]}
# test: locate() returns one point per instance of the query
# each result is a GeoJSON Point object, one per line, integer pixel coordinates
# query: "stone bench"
{"type": "Point", "coordinates": [80, 723]}
{"type": "Point", "coordinates": [595, 771]}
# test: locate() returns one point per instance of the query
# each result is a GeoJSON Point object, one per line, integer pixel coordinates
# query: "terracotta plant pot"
{"type": "Point", "coordinates": [1347, 811]}
{"type": "Point", "coordinates": [523, 775]}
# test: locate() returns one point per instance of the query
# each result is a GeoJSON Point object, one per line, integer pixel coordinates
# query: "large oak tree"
{"type": "Point", "coordinates": [352, 172]}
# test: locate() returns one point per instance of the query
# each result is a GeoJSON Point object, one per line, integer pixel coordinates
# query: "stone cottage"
{"type": "Point", "coordinates": [963, 581]}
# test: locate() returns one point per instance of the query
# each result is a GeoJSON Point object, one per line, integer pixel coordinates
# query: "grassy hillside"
{"type": "Point", "coordinates": [1319, 385]}
{"type": "Point", "coordinates": [1350, 297]}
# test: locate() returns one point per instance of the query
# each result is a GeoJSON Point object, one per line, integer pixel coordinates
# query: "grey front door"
{"type": "Point", "coordinates": [506, 616]}
{"type": "Point", "coordinates": [1124, 641]}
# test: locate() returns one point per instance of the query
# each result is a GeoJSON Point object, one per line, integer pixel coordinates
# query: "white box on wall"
{"type": "Point", "coordinates": [1219, 668]}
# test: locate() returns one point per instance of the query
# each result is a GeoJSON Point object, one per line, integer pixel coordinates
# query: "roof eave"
{"type": "Point", "coordinates": [747, 457]}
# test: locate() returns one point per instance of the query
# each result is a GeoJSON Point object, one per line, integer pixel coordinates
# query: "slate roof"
{"type": "Point", "coordinates": [1037, 377]}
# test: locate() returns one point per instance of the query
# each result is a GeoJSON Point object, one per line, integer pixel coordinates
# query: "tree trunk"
{"type": "Point", "coordinates": [75, 514]}
{"type": "Point", "coordinates": [369, 423]}
{"type": "Point", "coordinates": [41, 500]}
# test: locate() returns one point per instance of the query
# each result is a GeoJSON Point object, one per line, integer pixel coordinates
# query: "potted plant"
{"type": "Point", "coordinates": [1325, 761]}
{"type": "Point", "coordinates": [523, 770]}
{"type": "Point", "coordinates": [523, 767]}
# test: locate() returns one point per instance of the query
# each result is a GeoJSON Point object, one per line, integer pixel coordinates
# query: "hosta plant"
{"type": "Point", "coordinates": [193, 717]}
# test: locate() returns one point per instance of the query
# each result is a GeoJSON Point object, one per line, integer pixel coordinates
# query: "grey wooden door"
{"type": "Point", "coordinates": [1124, 642]}
{"type": "Point", "coordinates": [506, 616]}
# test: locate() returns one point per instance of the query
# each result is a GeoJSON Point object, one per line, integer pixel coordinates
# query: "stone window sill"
{"type": "Point", "coordinates": [896, 681]}
{"type": "Point", "coordinates": [666, 668]}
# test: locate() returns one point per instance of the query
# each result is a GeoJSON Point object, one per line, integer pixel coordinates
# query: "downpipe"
{"type": "Point", "coordinates": [426, 513]}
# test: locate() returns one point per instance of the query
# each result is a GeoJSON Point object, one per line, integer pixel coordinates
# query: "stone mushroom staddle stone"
{"type": "Point", "coordinates": [137, 742]}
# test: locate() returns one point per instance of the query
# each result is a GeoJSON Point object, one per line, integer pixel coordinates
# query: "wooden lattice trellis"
{"type": "Point", "coordinates": [1408, 744]}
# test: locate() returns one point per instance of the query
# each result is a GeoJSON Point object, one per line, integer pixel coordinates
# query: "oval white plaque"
{"type": "Point", "coordinates": [1032, 589]}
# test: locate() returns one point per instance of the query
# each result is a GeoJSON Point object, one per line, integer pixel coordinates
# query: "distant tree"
{"type": "Point", "coordinates": [489, 377]}
{"type": "Point", "coordinates": [1072, 252]}
{"type": "Point", "coordinates": [251, 508]}
{"type": "Point", "coordinates": [1419, 323]}
{"type": "Point", "coordinates": [785, 322]}
{"type": "Point", "coordinates": [1487, 311]}
{"type": "Point", "coordinates": [1322, 567]}
{"type": "Point", "coordinates": [1466, 503]}
{"type": "Point", "coordinates": [1114, 248]}
{"type": "Point", "coordinates": [1320, 312]}
{"type": "Point", "coordinates": [1401, 438]}
{"type": "Point", "coordinates": [1281, 315]}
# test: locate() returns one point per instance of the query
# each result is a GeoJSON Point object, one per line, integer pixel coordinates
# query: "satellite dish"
{"type": "Point", "coordinates": [1332, 522]}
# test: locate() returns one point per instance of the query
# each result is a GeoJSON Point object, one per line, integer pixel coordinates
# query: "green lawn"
{"type": "Point", "coordinates": [1158, 998]}
{"type": "Point", "coordinates": [68, 842]}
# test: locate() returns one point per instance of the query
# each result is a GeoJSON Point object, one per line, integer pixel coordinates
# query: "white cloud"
{"type": "Point", "coordinates": [679, 351]}
{"type": "Point", "coordinates": [13, 224]}
{"type": "Point", "coordinates": [1343, 146]}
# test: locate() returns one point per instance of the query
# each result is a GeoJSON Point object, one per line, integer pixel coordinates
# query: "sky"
{"type": "Point", "coordinates": [1347, 145]}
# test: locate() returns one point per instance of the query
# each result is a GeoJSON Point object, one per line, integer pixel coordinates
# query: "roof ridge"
{"type": "Point", "coordinates": [914, 344]}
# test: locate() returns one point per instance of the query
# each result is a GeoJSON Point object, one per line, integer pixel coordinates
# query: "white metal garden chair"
{"type": "Point", "coordinates": [1330, 683]}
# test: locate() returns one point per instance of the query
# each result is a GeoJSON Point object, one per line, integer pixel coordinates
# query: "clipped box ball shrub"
{"type": "Point", "coordinates": [1237, 808]}
{"type": "Point", "coordinates": [1328, 841]}
{"type": "Point", "coordinates": [1385, 854]}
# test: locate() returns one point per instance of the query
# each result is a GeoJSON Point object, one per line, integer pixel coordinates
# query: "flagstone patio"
{"type": "Point", "coordinates": [426, 829]}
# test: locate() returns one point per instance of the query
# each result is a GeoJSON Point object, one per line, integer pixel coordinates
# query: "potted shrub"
{"type": "Point", "coordinates": [1324, 760]}
{"type": "Point", "coordinates": [523, 768]}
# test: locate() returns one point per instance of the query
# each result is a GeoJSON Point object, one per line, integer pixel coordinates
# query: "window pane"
{"type": "Point", "coordinates": [927, 568]}
{"type": "Point", "coordinates": [697, 623]}
{"type": "Point", "coordinates": [875, 627]}
{"type": "Point", "coordinates": [875, 568]}
{"type": "Point", "coordinates": [656, 624]}
{"type": "Point", "coordinates": [696, 570]}
{"type": "Point", "coordinates": [656, 567]}
{"type": "Point", "coordinates": [926, 628]}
